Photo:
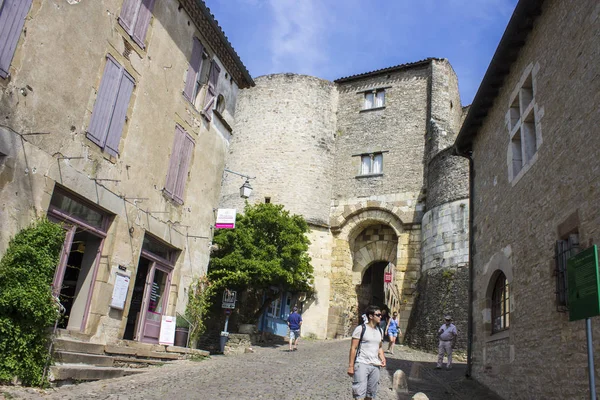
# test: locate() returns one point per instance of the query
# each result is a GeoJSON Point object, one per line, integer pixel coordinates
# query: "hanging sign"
{"type": "Point", "coordinates": [225, 218]}
{"type": "Point", "coordinates": [387, 277]}
{"type": "Point", "coordinates": [167, 330]}
{"type": "Point", "coordinates": [229, 297]}
{"type": "Point", "coordinates": [583, 284]}
{"type": "Point", "coordinates": [119, 294]}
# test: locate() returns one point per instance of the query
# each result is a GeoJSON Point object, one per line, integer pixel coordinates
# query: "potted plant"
{"type": "Point", "coordinates": [182, 330]}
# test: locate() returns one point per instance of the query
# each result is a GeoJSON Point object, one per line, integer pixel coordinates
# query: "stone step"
{"type": "Point", "coordinates": [141, 353]}
{"type": "Point", "coordinates": [76, 346]}
{"type": "Point", "coordinates": [79, 372]}
{"type": "Point", "coordinates": [73, 335]}
{"type": "Point", "coordinates": [67, 357]}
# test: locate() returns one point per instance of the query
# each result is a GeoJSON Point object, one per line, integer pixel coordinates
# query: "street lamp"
{"type": "Point", "coordinates": [245, 189]}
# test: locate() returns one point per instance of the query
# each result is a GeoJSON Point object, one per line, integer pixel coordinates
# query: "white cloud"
{"type": "Point", "coordinates": [297, 41]}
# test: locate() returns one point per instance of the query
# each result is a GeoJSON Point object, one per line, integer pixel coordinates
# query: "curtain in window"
{"type": "Point", "coordinates": [365, 165]}
{"type": "Point", "coordinates": [368, 100]}
{"type": "Point", "coordinates": [377, 164]}
{"type": "Point", "coordinates": [379, 98]}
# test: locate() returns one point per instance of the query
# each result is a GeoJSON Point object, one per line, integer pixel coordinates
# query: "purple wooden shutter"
{"type": "Point", "coordinates": [174, 161]}
{"type": "Point", "coordinates": [193, 70]}
{"type": "Point", "coordinates": [129, 13]}
{"type": "Point", "coordinates": [115, 129]}
{"type": "Point", "coordinates": [143, 20]}
{"type": "Point", "coordinates": [211, 92]}
{"type": "Point", "coordinates": [105, 100]}
{"type": "Point", "coordinates": [184, 167]}
{"type": "Point", "coordinates": [12, 19]}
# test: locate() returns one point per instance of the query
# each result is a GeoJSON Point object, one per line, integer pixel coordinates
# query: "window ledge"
{"type": "Point", "coordinates": [372, 109]}
{"type": "Point", "coordinates": [368, 176]}
{"type": "Point", "coordinates": [505, 334]}
{"type": "Point", "coordinates": [223, 120]}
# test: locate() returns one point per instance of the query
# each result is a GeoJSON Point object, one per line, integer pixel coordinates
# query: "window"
{"type": "Point", "coordinates": [267, 200]}
{"type": "Point", "coordinates": [500, 304]}
{"type": "Point", "coordinates": [374, 99]}
{"type": "Point", "coordinates": [522, 127]}
{"type": "Point", "coordinates": [371, 164]}
{"type": "Point", "coordinates": [110, 108]}
{"type": "Point", "coordinates": [135, 18]}
{"type": "Point", "coordinates": [211, 90]}
{"type": "Point", "coordinates": [181, 157]}
{"type": "Point", "coordinates": [12, 20]}
{"type": "Point", "coordinates": [274, 308]}
{"type": "Point", "coordinates": [193, 81]}
{"type": "Point", "coordinates": [563, 251]}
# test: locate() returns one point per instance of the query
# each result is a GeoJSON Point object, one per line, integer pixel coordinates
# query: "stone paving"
{"type": "Point", "coordinates": [316, 371]}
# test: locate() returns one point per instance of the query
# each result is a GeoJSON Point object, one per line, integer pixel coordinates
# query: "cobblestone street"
{"type": "Point", "coordinates": [316, 371]}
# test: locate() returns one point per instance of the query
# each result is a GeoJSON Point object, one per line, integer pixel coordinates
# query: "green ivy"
{"type": "Point", "coordinates": [27, 310]}
{"type": "Point", "coordinates": [197, 307]}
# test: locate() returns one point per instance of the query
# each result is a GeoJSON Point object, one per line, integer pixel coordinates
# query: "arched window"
{"type": "Point", "coordinates": [220, 107]}
{"type": "Point", "coordinates": [500, 304]}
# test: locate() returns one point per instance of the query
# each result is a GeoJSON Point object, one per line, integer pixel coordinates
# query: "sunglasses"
{"type": "Point", "coordinates": [377, 314]}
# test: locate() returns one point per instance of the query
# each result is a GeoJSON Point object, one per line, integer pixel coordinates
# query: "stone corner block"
{"type": "Point", "coordinates": [399, 382]}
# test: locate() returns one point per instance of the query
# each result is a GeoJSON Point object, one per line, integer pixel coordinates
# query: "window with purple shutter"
{"type": "Point", "coordinates": [211, 90]}
{"type": "Point", "coordinates": [179, 164]}
{"type": "Point", "coordinates": [193, 75]}
{"type": "Point", "coordinates": [12, 20]}
{"type": "Point", "coordinates": [135, 19]}
{"type": "Point", "coordinates": [110, 108]}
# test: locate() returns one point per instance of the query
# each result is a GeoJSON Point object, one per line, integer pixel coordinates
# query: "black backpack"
{"type": "Point", "coordinates": [362, 334]}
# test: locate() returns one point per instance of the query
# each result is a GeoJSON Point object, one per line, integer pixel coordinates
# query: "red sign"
{"type": "Point", "coordinates": [387, 277]}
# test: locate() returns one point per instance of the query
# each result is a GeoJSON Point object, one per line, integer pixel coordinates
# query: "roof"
{"type": "Point", "coordinates": [388, 69]}
{"type": "Point", "coordinates": [512, 41]}
{"type": "Point", "coordinates": [212, 32]}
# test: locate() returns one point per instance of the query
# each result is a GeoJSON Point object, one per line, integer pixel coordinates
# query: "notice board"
{"type": "Point", "coordinates": [119, 295]}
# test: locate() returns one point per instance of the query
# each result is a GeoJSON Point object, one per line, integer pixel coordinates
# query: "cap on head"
{"type": "Point", "coordinates": [448, 318]}
{"type": "Point", "coordinates": [295, 308]}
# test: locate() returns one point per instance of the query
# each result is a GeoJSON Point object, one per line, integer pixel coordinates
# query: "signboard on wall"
{"type": "Point", "coordinates": [229, 298]}
{"type": "Point", "coordinates": [225, 218]}
{"type": "Point", "coordinates": [167, 330]}
{"type": "Point", "coordinates": [387, 277]}
{"type": "Point", "coordinates": [584, 284]}
{"type": "Point", "coordinates": [119, 295]}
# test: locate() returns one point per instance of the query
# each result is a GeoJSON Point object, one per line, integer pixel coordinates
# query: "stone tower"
{"type": "Point", "coordinates": [363, 159]}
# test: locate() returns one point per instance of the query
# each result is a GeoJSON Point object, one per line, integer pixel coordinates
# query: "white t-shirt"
{"type": "Point", "coordinates": [447, 332]}
{"type": "Point", "coordinates": [369, 347]}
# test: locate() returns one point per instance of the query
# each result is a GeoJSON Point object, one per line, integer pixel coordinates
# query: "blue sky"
{"type": "Point", "coordinates": [331, 39]}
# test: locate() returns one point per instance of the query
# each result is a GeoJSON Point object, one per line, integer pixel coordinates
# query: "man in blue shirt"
{"type": "Point", "coordinates": [294, 322]}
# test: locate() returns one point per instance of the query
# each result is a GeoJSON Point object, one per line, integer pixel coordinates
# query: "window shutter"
{"type": "Point", "coordinates": [115, 129]}
{"type": "Point", "coordinates": [12, 19]}
{"type": "Point", "coordinates": [184, 167]}
{"type": "Point", "coordinates": [129, 13]}
{"type": "Point", "coordinates": [105, 100]}
{"type": "Point", "coordinates": [142, 22]}
{"type": "Point", "coordinates": [174, 161]}
{"type": "Point", "coordinates": [211, 92]}
{"type": "Point", "coordinates": [193, 70]}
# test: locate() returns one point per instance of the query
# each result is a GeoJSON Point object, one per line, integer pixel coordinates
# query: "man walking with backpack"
{"type": "Point", "coordinates": [366, 356]}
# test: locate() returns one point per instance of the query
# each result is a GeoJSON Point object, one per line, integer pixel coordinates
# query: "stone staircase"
{"type": "Point", "coordinates": [78, 359]}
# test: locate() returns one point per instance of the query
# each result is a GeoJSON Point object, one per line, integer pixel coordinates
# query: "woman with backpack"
{"type": "Point", "coordinates": [393, 330]}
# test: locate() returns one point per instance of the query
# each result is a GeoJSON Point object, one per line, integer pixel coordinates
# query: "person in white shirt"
{"type": "Point", "coordinates": [366, 356]}
{"type": "Point", "coordinates": [447, 335]}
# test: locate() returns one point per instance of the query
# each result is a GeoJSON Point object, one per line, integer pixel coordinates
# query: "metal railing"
{"type": "Point", "coordinates": [61, 312]}
{"type": "Point", "coordinates": [191, 328]}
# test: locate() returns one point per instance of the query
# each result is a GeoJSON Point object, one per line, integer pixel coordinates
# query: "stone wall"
{"type": "Point", "coordinates": [447, 179]}
{"type": "Point", "coordinates": [517, 223]}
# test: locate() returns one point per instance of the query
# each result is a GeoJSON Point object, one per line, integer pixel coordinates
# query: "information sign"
{"type": "Point", "coordinates": [225, 218]}
{"type": "Point", "coordinates": [229, 298]}
{"type": "Point", "coordinates": [119, 294]}
{"type": "Point", "coordinates": [387, 277]}
{"type": "Point", "coordinates": [583, 284]}
{"type": "Point", "coordinates": [167, 330]}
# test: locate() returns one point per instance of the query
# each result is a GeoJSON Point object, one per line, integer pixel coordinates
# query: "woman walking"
{"type": "Point", "coordinates": [393, 330]}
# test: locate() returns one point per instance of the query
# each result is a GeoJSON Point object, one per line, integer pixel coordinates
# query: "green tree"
{"type": "Point", "coordinates": [268, 248]}
{"type": "Point", "coordinates": [27, 309]}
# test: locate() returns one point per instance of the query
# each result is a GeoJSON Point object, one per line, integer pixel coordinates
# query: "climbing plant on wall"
{"type": "Point", "coordinates": [27, 309]}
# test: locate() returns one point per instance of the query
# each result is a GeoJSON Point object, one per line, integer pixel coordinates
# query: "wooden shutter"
{"type": "Point", "coordinates": [174, 161]}
{"type": "Point", "coordinates": [129, 13]}
{"type": "Point", "coordinates": [12, 19]}
{"type": "Point", "coordinates": [193, 70]}
{"type": "Point", "coordinates": [105, 101]}
{"type": "Point", "coordinates": [211, 92]}
{"type": "Point", "coordinates": [142, 22]}
{"type": "Point", "coordinates": [115, 129]}
{"type": "Point", "coordinates": [184, 167]}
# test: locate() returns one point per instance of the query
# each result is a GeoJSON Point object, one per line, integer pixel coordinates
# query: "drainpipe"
{"type": "Point", "coordinates": [469, 155]}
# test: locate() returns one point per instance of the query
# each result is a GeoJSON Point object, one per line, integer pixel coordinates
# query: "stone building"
{"type": "Point", "coordinates": [115, 117]}
{"type": "Point", "coordinates": [532, 135]}
{"type": "Point", "coordinates": [367, 161]}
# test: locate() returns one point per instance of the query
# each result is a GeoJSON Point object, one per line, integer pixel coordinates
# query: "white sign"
{"type": "Point", "coordinates": [120, 291]}
{"type": "Point", "coordinates": [229, 298]}
{"type": "Point", "coordinates": [225, 218]}
{"type": "Point", "coordinates": [167, 330]}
